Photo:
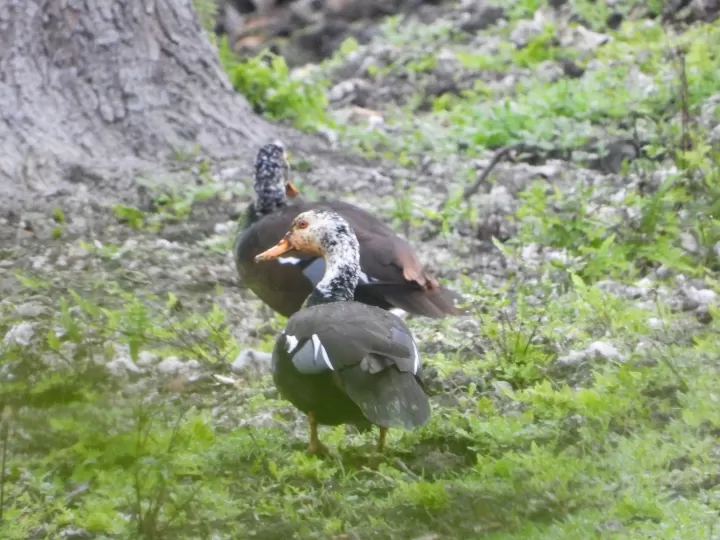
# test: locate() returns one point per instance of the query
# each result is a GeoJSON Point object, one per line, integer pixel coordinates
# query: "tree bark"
{"type": "Point", "coordinates": [96, 92]}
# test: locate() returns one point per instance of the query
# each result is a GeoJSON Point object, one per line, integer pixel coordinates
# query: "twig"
{"type": "Point", "coordinates": [6, 414]}
{"type": "Point", "coordinates": [499, 155]}
{"type": "Point", "coordinates": [404, 468]}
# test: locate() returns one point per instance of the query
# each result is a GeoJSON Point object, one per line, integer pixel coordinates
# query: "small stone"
{"type": "Point", "coordinates": [228, 174]}
{"type": "Point", "coordinates": [655, 323]}
{"type": "Point", "coordinates": [614, 20]}
{"type": "Point", "coordinates": [702, 297]}
{"type": "Point", "coordinates": [171, 364]}
{"type": "Point", "coordinates": [602, 350]}
{"type": "Point", "coordinates": [483, 18]}
{"type": "Point", "coordinates": [703, 315]}
{"type": "Point", "coordinates": [121, 365]}
{"type": "Point", "coordinates": [250, 360]}
{"type": "Point", "coordinates": [29, 310]}
{"type": "Point", "coordinates": [503, 389]}
{"type": "Point", "coordinates": [525, 31]}
{"type": "Point", "coordinates": [500, 200]}
{"type": "Point", "coordinates": [549, 72]}
{"type": "Point", "coordinates": [689, 243]}
{"type": "Point", "coordinates": [572, 359]}
{"type": "Point", "coordinates": [579, 37]}
{"type": "Point", "coordinates": [20, 334]}
{"type": "Point", "coordinates": [162, 243]}
{"type": "Point", "coordinates": [146, 358]}
{"type": "Point", "coordinates": [224, 228]}
{"type": "Point", "coordinates": [75, 533]}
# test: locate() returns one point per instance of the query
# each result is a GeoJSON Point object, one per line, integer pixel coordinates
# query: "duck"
{"type": "Point", "coordinates": [340, 361]}
{"type": "Point", "coordinates": [391, 275]}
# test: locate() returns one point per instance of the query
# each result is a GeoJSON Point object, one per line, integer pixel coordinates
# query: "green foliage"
{"type": "Point", "coordinates": [522, 443]}
{"type": "Point", "coordinates": [266, 82]}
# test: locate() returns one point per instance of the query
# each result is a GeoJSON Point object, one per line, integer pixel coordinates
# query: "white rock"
{"type": "Point", "coordinates": [171, 364]}
{"type": "Point", "coordinates": [224, 228]}
{"type": "Point", "coordinates": [655, 323]}
{"type": "Point", "coordinates": [525, 31]}
{"type": "Point", "coordinates": [701, 296]}
{"type": "Point", "coordinates": [227, 174]}
{"type": "Point", "coordinates": [579, 37]}
{"type": "Point", "coordinates": [122, 364]}
{"type": "Point", "coordinates": [251, 360]}
{"type": "Point", "coordinates": [603, 350]}
{"type": "Point", "coordinates": [20, 334]}
{"type": "Point", "coordinates": [689, 243]}
{"type": "Point", "coordinates": [146, 358]}
{"type": "Point", "coordinates": [716, 250]}
{"type": "Point", "coordinates": [503, 389]}
{"type": "Point", "coordinates": [572, 359]}
{"type": "Point", "coordinates": [162, 243]}
{"type": "Point", "coordinates": [29, 310]}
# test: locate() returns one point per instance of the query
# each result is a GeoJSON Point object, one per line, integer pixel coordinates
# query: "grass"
{"type": "Point", "coordinates": [533, 434]}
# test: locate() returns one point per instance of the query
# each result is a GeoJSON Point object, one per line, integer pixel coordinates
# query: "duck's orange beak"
{"type": "Point", "coordinates": [291, 190]}
{"type": "Point", "coordinates": [282, 247]}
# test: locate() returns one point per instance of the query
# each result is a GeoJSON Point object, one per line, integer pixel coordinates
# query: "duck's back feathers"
{"type": "Point", "coordinates": [366, 353]}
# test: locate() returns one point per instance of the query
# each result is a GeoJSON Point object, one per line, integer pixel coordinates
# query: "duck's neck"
{"type": "Point", "coordinates": [268, 200]}
{"type": "Point", "coordinates": [342, 271]}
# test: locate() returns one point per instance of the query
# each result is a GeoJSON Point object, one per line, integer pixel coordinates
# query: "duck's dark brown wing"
{"type": "Point", "coordinates": [392, 274]}
{"type": "Point", "coordinates": [369, 352]}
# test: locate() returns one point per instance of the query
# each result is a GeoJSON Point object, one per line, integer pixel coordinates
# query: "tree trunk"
{"type": "Point", "coordinates": [96, 92]}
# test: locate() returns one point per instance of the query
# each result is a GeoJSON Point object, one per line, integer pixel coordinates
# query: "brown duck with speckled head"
{"type": "Point", "coordinates": [340, 361]}
{"type": "Point", "coordinates": [391, 275]}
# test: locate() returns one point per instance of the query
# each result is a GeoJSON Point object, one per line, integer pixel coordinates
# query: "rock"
{"type": "Point", "coordinates": [171, 365]}
{"type": "Point", "coordinates": [549, 72]}
{"type": "Point", "coordinates": [121, 365]}
{"type": "Point", "coordinates": [350, 92]}
{"type": "Point", "coordinates": [579, 37]}
{"type": "Point", "coordinates": [503, 389]}
{"type": "Point", "coordinates": [250, 360]}
{"type": "Point", "coordinates": [620, 289]}
{"type": "Point", "coordinates": [571, 69]}
{"type": "Point", "coordinates": [162, 243]}
{"type": "Point", "coordinates": [482, 18]}
{"type": "Point", "coordinates": [500, 200]}
{"type": "Point", "coordinates": [705, 10]}
{"type": "Point", "coordinates": [146, 358]}
{"type": "Point", "coordinates": [703, 315]}
{"type": "Point", "coordinates": [526, 30]}
{"type": "Point", "coordinates": [30, 310]}
{"type": "Point", "coordinates": [224, 228]}
{"type": "Point", "coordinates": [20, 334]}
{"type": "Point", "coordinates": [74, 533]}
{"type": "Point", "coordinates": [701, 297]}
{"type": "Point", "coordinates": [572, 359]}
{"type": "Point", "coordinates": [603, 351]}
{"type": "Point", "coordinates": [228, 174]}
{"type": "Point", "coordinates": [614, 20]}
{"type": "Point", "coordinates": [689, 243]}
{"type": "Point", "coordinates": [655, 323]}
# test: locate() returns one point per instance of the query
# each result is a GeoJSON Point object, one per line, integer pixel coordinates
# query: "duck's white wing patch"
{"type": "Point", "coordinates": [288, 260]}
{"type": "Point", "coordinates": [416, 358]}
{"type": "Point", "coordinates": [290, 343]}
{"type": "Point", "coordinates": [398, 312]}
{"type": "Point", "coordinates": [311, 357]}
{"type": "Point", "coordinates": [318, 349]}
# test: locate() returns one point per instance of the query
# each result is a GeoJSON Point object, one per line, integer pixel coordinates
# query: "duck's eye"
{"type": "Point", "coordinates": [302, 224]}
